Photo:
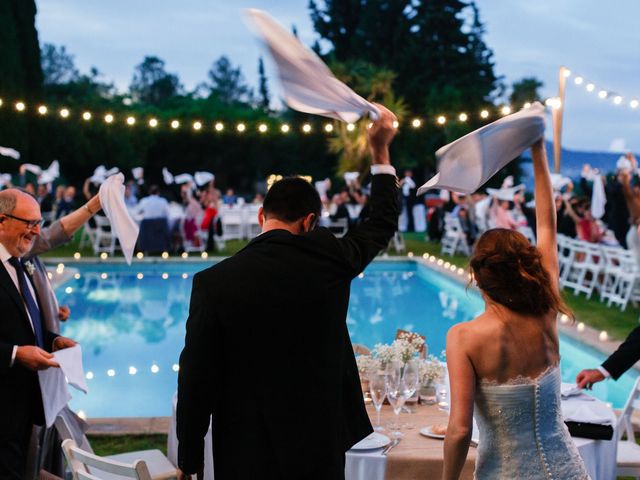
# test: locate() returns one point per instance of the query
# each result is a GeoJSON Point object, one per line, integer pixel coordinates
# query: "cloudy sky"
{"type": "Point", "coordinates": [598, 40]}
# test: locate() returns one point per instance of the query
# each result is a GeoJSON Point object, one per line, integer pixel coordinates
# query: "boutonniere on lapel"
{"type": "Point", "coordinates": [29, 267]}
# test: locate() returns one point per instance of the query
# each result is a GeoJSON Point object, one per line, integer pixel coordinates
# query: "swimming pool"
{"type": "Point", "coordinates": [130, 322]}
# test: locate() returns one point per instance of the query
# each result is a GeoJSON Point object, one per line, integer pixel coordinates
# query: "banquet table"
{"type": "Point", "coordinates": [417, 456]}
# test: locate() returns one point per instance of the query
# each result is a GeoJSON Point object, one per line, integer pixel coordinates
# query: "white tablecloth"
{"type": "Point", "coordinates": [599, 455]}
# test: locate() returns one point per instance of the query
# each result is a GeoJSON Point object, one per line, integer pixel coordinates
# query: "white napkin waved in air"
{"type": "Point", "coordinates": [203, 178]}
{"type": "Point", "coordinates": [112, 201]}
{"type": "Point", "coordinates": [598, 198]}
{"type": "Point", "coordinates": [50, 174]}
{"type": "Point", "coordinates": [184, 178]}
{"type": "Point", "coordinates": [53, 381]}
{"type": "Point", "coordinates": [100, 174]}
{"type": "Point", "coordinates": [167, 176]}
{"type": "Point", "coordinates": [308, 84]}
{"type": "Point", "coordinates": [10, 152]}
{"type": "Point", "coordinates": [469, 162]}
{"type": "Point", "coordinates": [505, 193]}
{"type": "Point", "coordinates": [137, 172]}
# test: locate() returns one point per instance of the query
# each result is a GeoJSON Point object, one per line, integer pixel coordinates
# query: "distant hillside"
{"type": "Point", "coordinates": [572, 161]}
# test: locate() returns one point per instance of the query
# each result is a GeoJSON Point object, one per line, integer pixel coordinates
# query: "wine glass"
{"type": "Point", "coordinates": [378, 391]}
{"type": "Point", "coordinates": [396, 395]}
{"type": "Point", "coordinates": [410, 381]}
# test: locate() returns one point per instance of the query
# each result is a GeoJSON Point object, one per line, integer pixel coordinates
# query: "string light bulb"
{"type": "Point", "coordinates": [351, 127]}
{"type": "Point", "coordinates": [285, 128]}
{"type": "Point", "coordinates": [306, 128]}
{"type": "Point", "coordinates": [197, 126]}
{"type": "Point", "coordinates": [566, 73]}
{"type": "Point", "coordinates": [64, 113]}
{"type": "Point", "coordinates": [86, 116]}
{"type": "Point", "coordinates": [20, 106]}
{"type": "Point", "coordinates": [634, 103]}
{"type": "Point", "coordinates": [395, 124]}
{"type": "Point", "coordinates": [484, 113]}
{"type": "Point", "coordinates": [108, 118]}
{"type": "Point", "coordinates": [131, 121]}
{"type": "Point", "coordinates": [175, 124]}
{"type": "Point", "coordinates": [241, 127]}
{"type": "Point", "coordinates": [578, 80]}
{"type": "Point", "coordinates": [416, 123]}
{"type": "Point", "coordinates": [262, 128]}
{"type": "Point", "coordinates": [463, 117]}
{"type": "Point", "coordinates": [219, 126]}
{"type": "Point", "coordinates": [328, 128]}
{"type": "Point", "coordinates": [506, 110]}
{"type": "Point", "coordinates": [441, 120]}
{"type": "Point", "coordinates": [617, 99]}
{"type": "Point", "coordinates": [42, 109]}
{"type": "Point", "coordinates": [590, 87]}
{"type": "Point", "coordinates": [602, 94]}
{"type": "Point", "coordinates": [153, 123]}
{"type": "Point", "coordinates": [527, 105]}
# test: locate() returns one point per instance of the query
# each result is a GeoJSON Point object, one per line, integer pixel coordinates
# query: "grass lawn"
{"type": "Point", "coordinates": [593, 313]}
{"type": "Point", "coordinates": [113, 444]}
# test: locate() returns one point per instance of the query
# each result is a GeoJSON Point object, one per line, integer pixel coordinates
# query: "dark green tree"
{"type": "Point", "coordinates": [264, 98]}
{"type": "Point", "coordinates": [152, 83]}
{"type": "Point", "coordinates": [525, 90]}
{"type": "Point", "coordinates": [434, 46]}
{"type": "Point", "coordinates": [227, 83]}
{"type": "Point", "coordinates": [58, 65]}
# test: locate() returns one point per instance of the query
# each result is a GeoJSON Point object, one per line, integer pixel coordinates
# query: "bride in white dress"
{"type": "Point", "coordinates": [506, 360]}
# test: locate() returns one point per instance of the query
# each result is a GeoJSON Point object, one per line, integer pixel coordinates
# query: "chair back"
{"type": "Point", "coordinates": [624, 420]}
{"type": "Point", "coordinates": [67, 433]}
{"type": "Point", "coordinates": [80, 462]}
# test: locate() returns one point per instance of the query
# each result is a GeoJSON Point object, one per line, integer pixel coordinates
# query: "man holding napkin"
{"type": "Point", "coordinates": [25, 342]}
{"type": "Point", "coordinates": [267, 352]}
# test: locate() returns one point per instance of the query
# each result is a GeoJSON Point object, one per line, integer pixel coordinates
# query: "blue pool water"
{"type": "Point", "coordinates": [130, 325]}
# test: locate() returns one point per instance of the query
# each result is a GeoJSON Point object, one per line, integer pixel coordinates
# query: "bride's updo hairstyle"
{"type": "Point", "coordinates": [507, 268]}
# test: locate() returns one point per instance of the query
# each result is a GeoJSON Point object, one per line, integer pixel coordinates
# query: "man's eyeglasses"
{"type": "Point", "coordinates": [30, 223]}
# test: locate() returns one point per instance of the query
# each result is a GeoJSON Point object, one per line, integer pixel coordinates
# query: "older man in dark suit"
{"type": "Point", "coordinates": [267, 351]}
{"type": "Point", "coordinates": [25, 343]}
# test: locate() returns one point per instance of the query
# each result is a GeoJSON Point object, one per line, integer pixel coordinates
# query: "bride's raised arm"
{"type": "Point", "coordinates": [545, 212]}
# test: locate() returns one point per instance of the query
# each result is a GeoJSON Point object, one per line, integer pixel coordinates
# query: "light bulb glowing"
{"type": "Point", "coordinates": [441, 120]}
{"type": "Point", "coordinates": [285, 128]}
{"type": "Point", "coordinates": [165, 276]}
{"type": "Point", "coordinates": [262, 128]}
{"type": "Point", "coordinates": [219, 126]}
{"type": "Point", "coordinates": [633, 103]}
{"type": "Point", "coordinates": [86, 116]}
{"type": "Point", "coordinates": [590, 87]}
{"type": "Point", "coordinates": [108, 118]}
{"type": "Point", "coordinates": [395, 124]}
{"type": "Point", "coordinates": [20, 106]}
{"type": "Point", "coordinates": [133, 370]}
{"type": "Point", "coordinates": [328, 128]}
{"type": "Point", "coordinates": [185, 276]}
{"type": "Point", "coordinates": [140, 276]}
{"type": "Point", "coordinates": [185, 255]}
{"type": "Point", "coordinates": [581, 327]}
{"type": "Point", "coordinates": [155, 368]}
{"type": "Point", "coordinates": [77, 255]}
{"type": "Point", "coordinates": [578, 80]}
{"type": "Point", "coordinates": [89, 375]}
{"type": "Point", "coordinates": [527, 105]}
{"type": "Point", "coordinates": [617, 99]}
{"type": "Point", "coordinates": [64, 113]}
{"type": "Point", "coordinates": [351, 127]}
{"type": "Point", "coordinates": [506, 110]}
{"type": "Point", "coordinates": [204, 255]}
{"type": "Point", "coordinates": [416, 123]}
{"type": "Point", "coordinates": [602, 94]}
{"type": "Point", "coordinates": [140, 255]}
{"type": "Point", "coordinates": [175, 367]}
{"type": "Point", "coordinates": [104, 275]}
{"type": "Point", "coordinates": [175, 124]}
{"type": "Point", "coordinates": [111, 372]}
{"type": "Point", "coordinates": [463, 117]}
{"type": "Point", "coordinates": [68, 290]}
{"type": "Point", "coordinates": [131, 121]}
{"type": "Point", "coordinates": [42, 110]}
{"type": "Point", "coordinates": [566, 73]}
{"type": "Point", "coordinates": [604, 336]}
{"type": "Point", "coordinates": [484, 113]}
{"type": "Point", "coordinates": [197, 126]}
{"type": "Point", "coordinates": [77, 276]}
{"type": "Point", "coordinates": [241, 127]}
{"type": "Point", "coordinates": [153, 123]}
{"type": "Point", "coordinates": [104, 255]}
{"type": "Point", "coordinates": [165, 255]}
{"type": "Point", "coordinates": [306, 128]}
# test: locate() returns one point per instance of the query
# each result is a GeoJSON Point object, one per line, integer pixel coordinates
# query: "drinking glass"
{"type": "Point", "coordinates": [395, 389]}
{"type": "Point", "coordinates": [377, 390]}
{"type": "Point", "coordinates": [410, 381]}
{"type": "Point", "coordinates": [442, 397]}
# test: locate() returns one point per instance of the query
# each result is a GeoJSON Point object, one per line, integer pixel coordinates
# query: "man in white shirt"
{"type": "Point", "coordinates": [154, 227]}
{"type": "Point", "coordinates": [25, 343]}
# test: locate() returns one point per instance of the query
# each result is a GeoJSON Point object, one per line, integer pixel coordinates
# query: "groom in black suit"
{"type": "Point", "coordinates": [25, 343]}
{"type": "Point", "coordinates": [618, 362]}
{"type": "Point", "coordinates": [267, 351]}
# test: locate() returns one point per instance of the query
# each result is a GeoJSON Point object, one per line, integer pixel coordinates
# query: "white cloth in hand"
{"type": "Point", "coordinates": [10, 152]}
{"type": "Point", "coordinates": [112, 201]}
{"type": "Point", "coordinates": [308, 84]}
{"type": "Point", "coordinates": [53, 381]}
{"type": "Point", "coordinates": [598, 198]}
{"type": "Point", "coordinates": [466, 164]}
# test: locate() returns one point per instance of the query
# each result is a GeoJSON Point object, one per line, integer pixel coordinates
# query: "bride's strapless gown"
{"type": "Point", "coordinates": [522, 434]}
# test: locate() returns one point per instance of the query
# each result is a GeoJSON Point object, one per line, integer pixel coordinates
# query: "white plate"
{"type": "Point", "coordinates": [375, 440]}
{"type": "Point", "coordinates": [426, 431]}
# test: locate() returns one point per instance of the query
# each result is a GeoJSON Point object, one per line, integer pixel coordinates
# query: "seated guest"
{"type": "Point", "coordinates": [130, 199]}
{"type": "Point", "coordinates": [230, 197]}
{"type": "Point", "coordinates": [258, 199]}
{"type": "Point", "coordinates": [501, 215]}
{"type": "Point", "coordinates": [67, 203]}
{"type": "Point", "coordinates": [154, 227]}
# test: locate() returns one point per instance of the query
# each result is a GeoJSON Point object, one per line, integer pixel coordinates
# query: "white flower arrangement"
{"type": "Point", "coordinates": [366, 364]}
{"type": "Point", "coordinates": [402, 350]}
{"type": "Point", "coordinates": [431, 370]}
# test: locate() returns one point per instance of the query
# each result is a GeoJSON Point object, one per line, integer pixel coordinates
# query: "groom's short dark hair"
{"type": "Point", "coordinates": [290, 199]}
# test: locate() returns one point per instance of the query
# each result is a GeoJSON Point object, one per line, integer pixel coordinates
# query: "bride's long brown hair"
{"type": "Point", "coordinates": [509, 270]}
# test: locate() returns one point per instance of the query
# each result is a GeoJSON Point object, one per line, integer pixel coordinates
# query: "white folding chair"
{"type": "Point", "coordinates": [250, 221]}
{"type": "Point", "coordinates": [85, 465]}
{"type": "Point", "coordinates": [104, 239]}
{"type": "Point", "coordinates": [88, 236]}
{"type": "Point", "coordinates": [586, 266]}
{"type": "Point", "coordinates": [232, 224]}
{"type": "Point", "coordinates": [454, 239]}
{"type": "Point", "coordinates": [628, 458]}
{"type": "Point", "coordinates": [625, 283]}
{"type": "Point", "coordinates": [613, 261]}
{"type": "Point", "coordinates": [81, 459]}
{"type": "Point", "coordinates": [397, 242]}
{"type": "Point", "coordinates": [528, 233]}
{"type": "Point", "coordinates": [565, 256]}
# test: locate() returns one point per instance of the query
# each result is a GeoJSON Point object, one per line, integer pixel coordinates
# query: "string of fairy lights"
{"type": "Point", "coordinates": [601, 92]}
{"type": "Point", "coordinates": [240, 127]}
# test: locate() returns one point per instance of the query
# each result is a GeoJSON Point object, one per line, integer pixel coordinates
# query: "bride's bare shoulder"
{"type": "Point", "coordinates": [473, 330]}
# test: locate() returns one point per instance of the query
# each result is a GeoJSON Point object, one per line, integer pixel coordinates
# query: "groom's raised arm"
{"type": "Point", "coordinates": [362, 243]}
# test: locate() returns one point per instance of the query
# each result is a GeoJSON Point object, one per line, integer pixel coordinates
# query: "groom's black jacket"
{"type": "Point", "coordinates": [267, 353]}
{"type": "Point", "coordinates": [625, 356]}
